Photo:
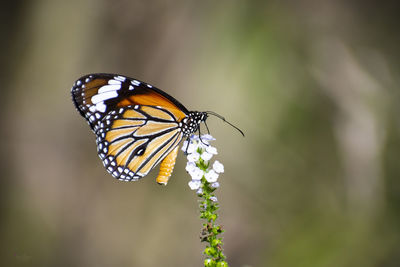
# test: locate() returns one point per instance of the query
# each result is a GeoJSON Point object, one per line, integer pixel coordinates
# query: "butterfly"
{"type": "Point", "coordinates": [137, 126]}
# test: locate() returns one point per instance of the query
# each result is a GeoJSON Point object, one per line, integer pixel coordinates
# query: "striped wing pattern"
{"type": "Point", "coordinates": [134, 139]}
{"type": "Point", "coordinates": [96, 95]}
{"type": "Point", "coordinates": [137, 125]}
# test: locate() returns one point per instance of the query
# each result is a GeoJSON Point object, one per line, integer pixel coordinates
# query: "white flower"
{"type": "Point", "coordinates": [204, 141]}
{"type": "Point", "coordinates": [206, 156]}
{"type": "Point", "coordinates": [203, 145]}
{"type": "Point", "coordinates": [199, 148]}
{"type": "Point", "coordinates": [212, 150]}
{"type": "Point", "coordinates": [208, 153]}
{"type": "Point", "coordinates": [213, 199]}
{"type": "Point", "coordinates": [192, 147]}
{"type": "Point", "coordinates": [193, 157]}
{"type": "Point", "coordinates": [184, 146]}
{"type": "Point", "coordinates": [196, 173]}
{"type": "Point", "coordinates": [199, 191]}
{"type": "Point", "coordinates": [190, 166]}
{"type": "Point", "coordinates": [207, 137]}
{"type": "Point", "coordinates": [194, 184]}
{"type": "Point", "coordinates": [211, 176]}
{"type": "Point", "coordinates": [218, 167]}
{"type": "Point", "coordinates": [215, 185]}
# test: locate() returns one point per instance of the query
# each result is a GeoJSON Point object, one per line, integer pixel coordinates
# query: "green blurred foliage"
{"type": "Point", "coordinates": [314, 85]}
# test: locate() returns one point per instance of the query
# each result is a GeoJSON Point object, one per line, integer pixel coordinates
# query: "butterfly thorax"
{"type": "Point", "coordinates": [191, 123]}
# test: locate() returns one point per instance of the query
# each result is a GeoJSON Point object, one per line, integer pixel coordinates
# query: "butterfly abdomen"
{"type": "Point", "coordinates": [167, 166]}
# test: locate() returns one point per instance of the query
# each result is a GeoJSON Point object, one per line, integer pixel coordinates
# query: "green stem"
{"type": "Point", "coordinates": [210, 231]}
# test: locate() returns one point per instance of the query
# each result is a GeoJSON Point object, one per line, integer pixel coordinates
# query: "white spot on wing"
{"type": "Point", "coordinates": [109, 87]}
{"type": "Point", "coordinates": [103, 96]}
{"type": "Point", "coordinates": [114, 82]}
{"type": "Point", "coordinates": [120, 78]}
{"type": "Point", "coordinates": [101, 107]}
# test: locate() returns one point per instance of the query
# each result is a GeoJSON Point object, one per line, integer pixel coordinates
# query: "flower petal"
{"type": "Point", "coordinates": [190, 166]}
{"type": "Point", "coordinates": [218, 167]}
{"type": "Point", "coordinates": [194, 185]}
{"type": "Point", "coordinates": [213, 199]}
{"type": "Point", "coordinates": [214, 185]}
{"type": "Point", "coordinates": [211, 176]}
{"type": "Point", "coordinates": [206, 156]}
{"type": "Point", "coordinates": [207, 137]}
{"type": "Point", "coordinates": [191, 146]}
{"type": "Point", "coordinates": [193, 157]}
{"type": "Point", "coordinates": [184, 146]}
{"type": "Point", "coordinates": [197, 174]}
{"type": "Point", "coordinates": [199, 191]}
{"type": "Point", "coordinates": [212, 150]}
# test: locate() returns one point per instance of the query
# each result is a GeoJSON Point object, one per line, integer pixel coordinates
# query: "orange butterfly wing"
{"type": "Point", "coordinates": [137, 125]}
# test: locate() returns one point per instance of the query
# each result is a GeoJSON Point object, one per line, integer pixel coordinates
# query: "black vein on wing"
{"type": "Point", "coordinates": [149, 136]}
{"type": "Point", "coordinates": [177, 141]}
{"type": "Point", "coordinates": [155, 151]}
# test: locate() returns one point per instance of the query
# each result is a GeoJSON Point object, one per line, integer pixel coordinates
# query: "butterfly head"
{"type": "Point", "coordinates": [191, 123]}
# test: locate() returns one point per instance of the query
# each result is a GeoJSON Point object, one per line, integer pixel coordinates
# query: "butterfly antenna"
{"type": "Point", "coordinates": [222, 118]}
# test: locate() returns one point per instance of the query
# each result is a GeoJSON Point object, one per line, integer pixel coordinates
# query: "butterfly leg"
{"type": "Point", "coordinates": [187, 147]}
{"type": "Point", "coordinates": [200, 136]}
{"type": "Point", "coordinates": [208, 131]}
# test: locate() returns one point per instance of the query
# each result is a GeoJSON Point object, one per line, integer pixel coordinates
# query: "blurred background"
{"type": "Point", "coordinates": [313, 84]}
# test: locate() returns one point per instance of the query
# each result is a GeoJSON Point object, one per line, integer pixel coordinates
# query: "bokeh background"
{"type": "Point", "coordinates": [314, 84]}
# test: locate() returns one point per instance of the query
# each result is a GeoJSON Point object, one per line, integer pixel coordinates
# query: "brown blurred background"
{"type": "Point", "coordinates": [314, 85]}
